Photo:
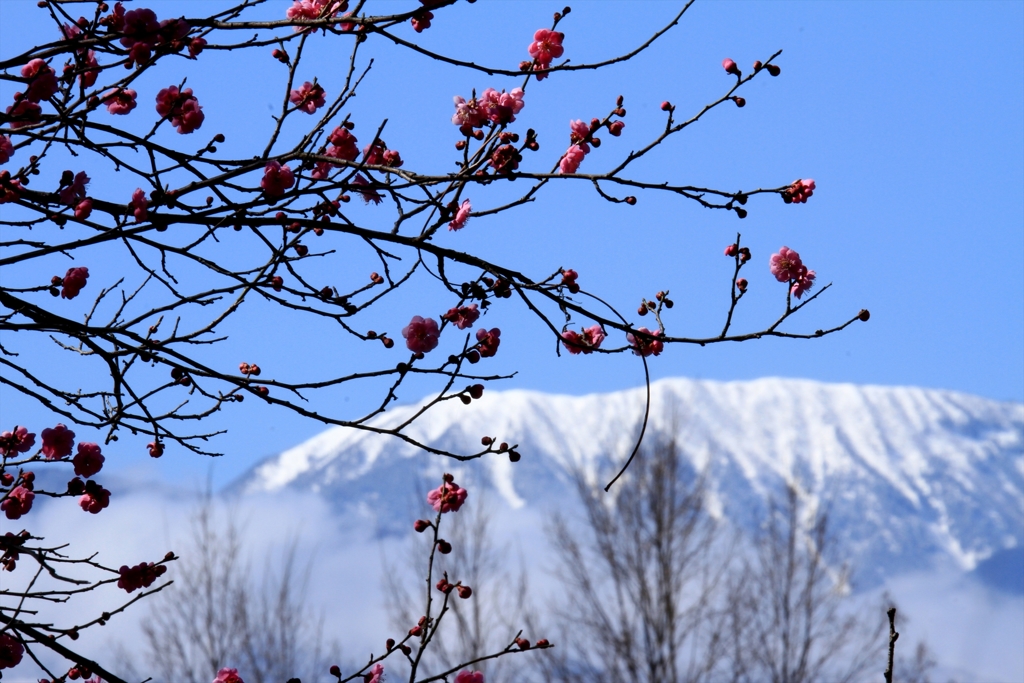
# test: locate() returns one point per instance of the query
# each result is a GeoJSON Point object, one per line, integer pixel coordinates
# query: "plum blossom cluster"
{"type": "Point", "coordinates": [581, 137]}
{"type": "Point", "coordinates": [448, 497]}
{"type": "Point", "coordinates": [181, 108]}
{"type": "Point", "coordinates": [787, 266]}
{"type": "Point", "coordinates": [799, 192]}
{"type": "Point", "coordinates": [645, 342]}
{"type": "Point", "coordinates": [545, 48]}
{"type": "Point", "coordinates": [142, 575]}
{"type": "Point", "coordinates": [308, 98]}
{"type": "Point", "coordinates": [585, 341]}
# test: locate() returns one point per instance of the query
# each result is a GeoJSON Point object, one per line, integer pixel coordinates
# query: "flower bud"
{"type": "Point", "coordinates": [523, 643]}
{"type": "Point", "coordinates": [731, 250]}
{"type": "Point", "coordinates": [741, 284]}
{"type": "Point", "coordinates": [630, 200]}
{"type": "Point", "coordinates": [389, 644]}
{"type": "Point", "coordinates": [464, 592]}
{"type": "Point", "coordinates": [487, 441]}
{"type": "Point", "coordinates": [542, 643]}
{"type": "Point", "coordinates": [774, 70]}
{"type": "Point", "coordinates": [421, 525]}
{"type": "Point", "coordinates": [335, 670]}
{"type": "Point", "coordinates": [740, 102]}
{"type": "Point", "coordinates": [864, 315]}
{"type": "Point", "coordinates": [476, 391]}
{"type": "Point", "coordinates": [730, 66]}
{"type": "Point", "coordinates": [666, 106]}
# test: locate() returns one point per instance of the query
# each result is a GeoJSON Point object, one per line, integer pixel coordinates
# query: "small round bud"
{"type": "Point", "coordinates": [464, 592]}
{"type": "Point", "coordinates": [476, 391]}
{"type": "Point", "coordinates": [466, 400]}
{"type": "Point", "coordinates": [864, 315]}
{"type": "Point", "coordinates": [730, 67]}
{"type": "Point", "coordinates": [758, 65]}
{"type": "Point", "coordinates": [514, 456]}
{"type": "Point", "coordinates": [523, 643]}
{"type": "Point", "coordinates": [774, 70]}
{"type": "Point", "coordinates": [741, 284]}
{"type": "Point", "coordinates": [487, 441]}
{"type": "Point", "coordinates": [642, 310]}
{"type": "Point", "coordinates": [421, 525]}
{"type": "Point", "coordinates": [542, 643]}
{"type": "Point", "coordinates": [389, 644]}
{"type": "Point", "coordinates": [335, 670]}
{"type": "Point", "coordinates": [443, 546]}
{"type": "Point", "coordinates": [666, 106]}
{"type": "Point", "coordinates": [740, 102]}
{"type": "Point", "coordinates": [460, 145]}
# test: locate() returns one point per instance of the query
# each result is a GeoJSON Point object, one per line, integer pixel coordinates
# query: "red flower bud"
{"type": "Point", "coordinates": [421, 525]}
{"type": "Point", "coordinates": [523, 643]}
{"type": "Point", "coordinates": [730, 66]}
{"type": "Point", "coordinates": [666, 106]}
{"type": "Point", "coordinates": [335, 670]}
{"type": "Point", "coordinates": [864, 315]}
{"type": "Point", "coordinates": [465, 592]}
{"type": "Point", "coordinates": [740, 102]}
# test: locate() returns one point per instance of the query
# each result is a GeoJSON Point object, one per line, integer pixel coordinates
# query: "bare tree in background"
{"type": "Point", "coordinates": [641, 587]}
{"type": "Point", "coordinates": [790, 619]}
{"type": "Point", "coordinates": [218, 615]}
{"type": "Point", "coordinates": [499, 596]}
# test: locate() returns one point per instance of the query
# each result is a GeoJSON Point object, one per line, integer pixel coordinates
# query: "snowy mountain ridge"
{"type": "Point", "coordinates": [910, 475]}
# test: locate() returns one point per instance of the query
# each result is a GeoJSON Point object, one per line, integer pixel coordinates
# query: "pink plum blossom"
{"type": "Point", "coordinates": [57, 442]}
{"type": "Point", "coordinates": [462, 317]}
{"type": "Point", "coordinates": [315, 9]}
{"type": "Point", "coordinates": [376, 674]}
{"type": "Point", "coordinates": [89, 460]}
{"type": "Point", "coordinates": [421, 20]}
{"type": "Point", "coordinates": [96, 498]}
{"type": "Point", "coordinates": [368, 194]}
{"type": "Point", "coordinates": [92, 71]}
{"type": "Point", "coordinates": [468, 115]}
{"type": "Point", "coordinates": [488, 341]}
{"type": "Point", "coordinates": [421, 334]}
{"type": "Point", "coordinates": [226, 675]}
{"type": "Point", "coordinates": [572, 159]}
{"type": "Point", "coordinates": [583, 342]}
{"type": "Point", "coordinates": [83, 209]}
{"type": "Point", "coordinates": [799, 191]}
{"type": "Point", "coordinates": [276, 179]}
{"type": "Point", "coordinates": [786, 265]}
{"type": "Point", "coordinates": [18, 441]}
{"type": "Point", "coordinates": [18, 502]}
{"type": "Point", "coordinates": [501, 107]}
{"type": "Point", "coordinates": [74, 192]}
{"type": "Point", "coordinates": [139, 205]}
{"type": "Point", "coordinates": [11, 651]}
{"type": "Point", "coordinates": [23, 113]}
{"type": "Point", "coordinates": [181, 108]}
{"type": "Point", "coordinates": [308, 98]}
{"type": "Point", "coordinates": [461, 216]}
{"type": "Point", "coordinates": [10, 190]}
{"type": "Point", "coordinates": [120, 102]}
{"type": "Point", "coordinates": [342, 138]}
{"type": "Point", "coordinates": [505, 159]}
{"type": "Point", "coordinates": [43, 83]}
{"type": "Point", "coordinates": [6, 149]}
{"type": "Point", "coordinates": [644, 345]}
{"type": "Point", "coordinates": [546, 46]}
{"type": "Point", "coordinates": [448, 497]}
{"type": "Point", "coordinates": [469, 677]}
{"type": "Point", "coordinates": [579, 130]}
{"type": "Point", "coordinates": [74, 281]}
{"type": "Point", "coordinates": [803, 283]}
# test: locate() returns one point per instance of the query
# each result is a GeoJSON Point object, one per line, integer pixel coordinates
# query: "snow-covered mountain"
{"type": "Point", "coordinates": [911, 476]}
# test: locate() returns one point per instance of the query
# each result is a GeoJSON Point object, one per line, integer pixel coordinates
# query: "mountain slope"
{"type": "Point", "coordinates": [910, 476]}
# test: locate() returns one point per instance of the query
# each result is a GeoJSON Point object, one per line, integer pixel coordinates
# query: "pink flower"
{"type": "Point", "coordinates": [10, 190]}
{"type": "Point", "coordinates": [142, 575]}
{"type": "Point", "coordinates": [505, 159]}
{"type": "Point", "coordinates": [91, 72]}
{"type": "Point", "coordinates": [461, 216]}
{"type": "Point", "coordinates": [469, 677]}
{"type": "Point", "coordinates": [644, 345]}
{"type": "Point", "coordinates": [228, 675]}
{"type": "Point", "coordinates": [421, 334]}
{"type": "Point", "coordinates": [501, 107]}
{"type": "Point", "coordinates": [19, 441]}
{"type": "Point", "coordinates": [74, 281]}
{"type": "Point", "coordinates": [276, 179]}
{"type": "Point", "coordinates": [74, 191]}
{"type": "Point", "coordinates": [23, 113]}
{"type": "Point", "coordinates": [786, 265]}
{"type": "Point", "coordinates": [368, 194]}
{"type": "Point", "coordinates": [569, 280]}
{"type": "Point", "coordinates": [140, 26]}
{"type": "Point", "coordinates": [139, 205]}
{"type": "Point", "coordinates": [18, 502]}
{"type": "Point", "coordinates": [83, 209]}
{"type": "Point", "coordinates": [730, 66]}
{"type": "Point", "coordinates": [43, 83]}
{"type": "Point", "coordinates": [584, 342]}
{"type": "Point", "coordinates": [89, 460]}
{"type": "Point", "coordinates": [798, 192]}
{"type": "Point", "coordinates": [196, 46]}
{"type": "Point", "coordinates": [546, 46]}
{"type": "Point", "coordinates": [578, 133]}
{"type": "Point", "coordinates": [120, 102]}
{"type": "Point", "coordinates": [343, 139]}
{"type": "Point", "coordinates": [421, 20]}
{"type": "Point", "coordinates": [308, 98]}
{"type": "Point", "coordinates": [462, 317]}
{"type": "Point", "coordinates": [11, 651]}
{"type": "Point", "coordinates": [487, 341]}
{"type": "Point", "coordinates": [95, 499]}
{"type": "Point", "coordinates": [6, 149]}
{"type": "Point", "coordinates": [468, 115]}
{"type": "Point", "coordinates": [376, 674]}
{"type": "Point", "coordinates": [57, 442]}
{"type": "Point", "coordinates": [803, 283]}
{"type": "Point", "coordinates": [315, 9]}
{"type": "Point", "coordinates": [181, 108]}
{"type": "Point", "coordinates": [571, 160]}
{"type": "Point", "coordinates": [448, 497]}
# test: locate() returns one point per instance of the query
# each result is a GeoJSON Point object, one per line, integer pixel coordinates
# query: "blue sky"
{"type": "Point", "coordinates": [909, 116]}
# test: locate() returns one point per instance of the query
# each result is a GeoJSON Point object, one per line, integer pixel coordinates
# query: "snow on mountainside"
{"type": "Point", "coordinates": [910, 475]}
